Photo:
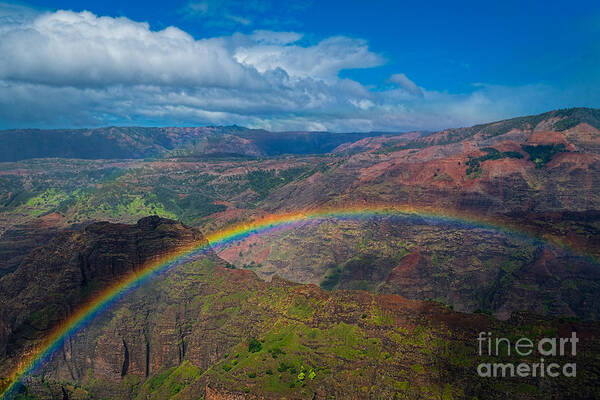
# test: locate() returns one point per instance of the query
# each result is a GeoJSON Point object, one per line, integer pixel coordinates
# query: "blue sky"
{"type": "Point", "coordinates": [335, 65]}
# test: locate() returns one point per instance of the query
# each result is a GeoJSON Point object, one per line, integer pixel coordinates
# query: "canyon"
{"type": "Point", "coordinates": [505, 237]}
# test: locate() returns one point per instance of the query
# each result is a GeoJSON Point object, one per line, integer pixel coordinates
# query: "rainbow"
{"type": "Point", "coordinates": [109, 296]}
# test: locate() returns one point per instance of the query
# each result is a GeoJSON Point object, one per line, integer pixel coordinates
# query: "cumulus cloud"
{"type": "Point", "coordinates": [104, 68]}
{"type": "Point", "coordinates": [325, 60]}
{"type": "Point", "coordinates": [80, 49]}
{"type": "Point", "coordinates": [66, 68]}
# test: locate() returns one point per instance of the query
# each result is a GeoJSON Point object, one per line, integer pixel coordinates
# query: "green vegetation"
{"type": "Point", "coordinates": [45, 201]}
{"type": "Point", "coordinates": [265, 181]}
{"type": "Point", "coordinates": [443, 177]}
{"type": "Point", "coordinates": [170, 382]}
{"type": "Point", "coordinates": [307, 340]}
{"type": "Point", "coordinates": [572, 117]}
{"type": "Point", "coordinates": [83, 190]}
{"type": "Point", "coordinates": [301, 308]}
{"type": "Point", "coordinates": [542, 154]}
{"type": "Point", "coordinates": [331, 279]}
{"type": "Point", "coordinates": [474, 164]}
{"type": "Point", "coordinates": [194, 207]}
{"type": "Point", "coordinates": [254, 345]}
{"type": "Point", "coordinates": [383, 318]}
{"type": "Point", "coordinates": [378, 258]}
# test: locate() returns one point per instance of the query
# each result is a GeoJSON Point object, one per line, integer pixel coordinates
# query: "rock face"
{"type": "Point", "coordinates": [544, 163]}
{"type": "Point", "coordinates": [18, 241]}
{"type": "Point", "coordinates": [466, 267]}
{"type": "Point", "coordinates": [539, 174]}
{"type": "Point", "coordinates": [205, 331]}
{"type": "Point", "coordinates": [509, 174]}
{"type": "Point", "coordinates": [209, 332]}
{"type": "Point", "coordinates": [53, 279]}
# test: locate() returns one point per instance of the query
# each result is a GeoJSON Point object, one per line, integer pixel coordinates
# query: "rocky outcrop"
{"type": "Point", "coordinates": [18, 241]}
{"type": "Point", "coordinates": [53, 279]}
{"type": "Point", "coordinates": [354, 344]}
{"type": "Point", "coordinates": [467, 267]}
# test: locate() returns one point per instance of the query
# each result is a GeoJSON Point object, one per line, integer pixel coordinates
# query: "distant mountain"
{"type": "Point", "coordinates": [556, 120]}
{"type": "Point", "coordinates": [303, 142]}
{"type": "Point", "coordinates": [232, 141]}
{"type": "Point", "coordinates": [538, 163]}
{"type": "Point", "coordinates": [139, 142]}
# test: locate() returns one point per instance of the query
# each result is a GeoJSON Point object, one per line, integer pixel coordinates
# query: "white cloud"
{"type": "Point", "coordinates": [77, 69]}
{"type": "Point", "coordinates": [103, 68]}
{"type": "Point", "coordinates": [324, 61]}
{"type": "Point", "coordinates": [80, 49]}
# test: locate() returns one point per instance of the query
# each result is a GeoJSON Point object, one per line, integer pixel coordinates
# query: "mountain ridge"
{"type": "Point", "coordinates": [142, 142]}
{"type": "Point", "coordinates": [122, 142]}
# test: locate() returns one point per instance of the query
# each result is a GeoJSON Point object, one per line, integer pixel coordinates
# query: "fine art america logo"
{"type": "Point", "coordinates": [547, 348]}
